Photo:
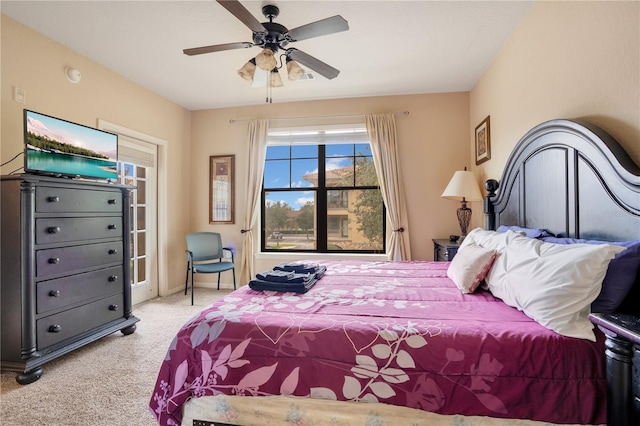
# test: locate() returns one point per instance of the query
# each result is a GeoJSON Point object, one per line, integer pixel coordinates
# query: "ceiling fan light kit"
{"type": "Point", "coordinates": [248, 70]}
{"type": "Point", "coordinates": [272, 37]}
{"type": "Point", "coordinates": [294, 71]}
{"type": "Point", "coordinates": [274, 78]}
{"type": "Point", "coordinates": [266, 60]}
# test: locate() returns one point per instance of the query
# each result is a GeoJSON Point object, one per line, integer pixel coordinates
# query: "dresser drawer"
{"type": "Point", "coordinates": [67, 200]}
{"type": "Point", "coordinates": [62, 230]}
{"type": "Point", "coordinates": [61, 292]}
{"type": "Point", "coordinates": [68, 259]}
{"type": "Point", "coordinates": [56, 328]}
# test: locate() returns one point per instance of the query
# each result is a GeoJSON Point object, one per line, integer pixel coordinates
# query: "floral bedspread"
{"type": "Point", "coordinates": [394, 332]}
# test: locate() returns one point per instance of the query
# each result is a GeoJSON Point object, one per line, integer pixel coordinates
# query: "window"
{"type": "Point", "coordinates": [321, 193]}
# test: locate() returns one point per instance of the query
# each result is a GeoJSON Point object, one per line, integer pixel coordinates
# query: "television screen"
{"type": "Point", "coordinates": [61, 148]}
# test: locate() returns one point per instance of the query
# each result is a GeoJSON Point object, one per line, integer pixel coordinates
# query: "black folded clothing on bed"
{"type": "Point", "coordinates": [302, 268]}
{"type": "Point", "coordinates": [299, 287]}
{"type": "Point", "coordinates": [295, 277]}
{"type": "Point", "coordinates": [276, 276]}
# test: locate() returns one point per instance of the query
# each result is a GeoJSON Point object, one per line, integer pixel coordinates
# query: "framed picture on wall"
{"type": "Point", "coordinates": [483, 141]}
{"type": "Point", "coordinates": [221, 189]}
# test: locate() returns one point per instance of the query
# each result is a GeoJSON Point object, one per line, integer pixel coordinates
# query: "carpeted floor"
{"type": "Point", "coordinates": [108, 382]}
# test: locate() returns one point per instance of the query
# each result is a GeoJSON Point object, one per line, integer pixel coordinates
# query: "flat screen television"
{"type": "Point", "coordinates": [57, 147]}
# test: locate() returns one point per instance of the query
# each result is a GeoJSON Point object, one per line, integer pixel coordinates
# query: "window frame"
{"type": "Point", "coordinates": [321, 192]}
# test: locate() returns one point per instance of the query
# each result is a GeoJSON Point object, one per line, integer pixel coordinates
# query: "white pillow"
{"type": "Point", "coordinates": [470, 266]}
{"type": "Point", "coordinates": [487, 239]}
{"type": "Point", "coordinates": [553, 284]}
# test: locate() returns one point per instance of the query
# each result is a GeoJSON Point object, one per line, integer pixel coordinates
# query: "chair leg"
{"type": "Point", "coordinates": [234, 278]}
{"type": "Point", "coordinates": [186, 280]}
{"type": "Point", "coordinates": [219, 280]}
{"type": "Point", "coordinates": [192, 288]}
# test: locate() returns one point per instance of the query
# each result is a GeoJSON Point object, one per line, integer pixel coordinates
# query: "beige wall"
{"type": "Point", "coordinates": [565, 60]}
{"type": "Point", "coordinates": [433, 143]}
{"type": "Point", "coordinates": [36, 64]}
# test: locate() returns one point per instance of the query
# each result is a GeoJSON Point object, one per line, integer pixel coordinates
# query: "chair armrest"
{"type": "Point", "coordinates": [189, 255]}
{"type": "Point", "coordinates": [230, 250]}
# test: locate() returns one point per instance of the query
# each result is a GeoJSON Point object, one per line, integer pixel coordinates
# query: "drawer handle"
{"type": "Point", "coordinates": [53, 199]}
{"type": "Point", "coordinates": [53, 229]}
{"type": "Point", "coordinates": [113, 251]}
{"type": "Point", "coordinates": [113, 278]}
{"type": "Point", "coordinates": [54, 260]}
{"type": "Point", "coordinates": [56, 328]}
{"type": "Point", "coordinates": [112, 226]}
{"type": "Point", "coordinates": [112, 201]}
{"type": "Point", "coordinates": [113, 307]}
{"type": "Point", "coordinates": [54, 293]}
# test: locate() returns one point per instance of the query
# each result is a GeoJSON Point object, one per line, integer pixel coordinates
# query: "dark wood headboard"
{"type": "Point", "coordinates": [571, 178]}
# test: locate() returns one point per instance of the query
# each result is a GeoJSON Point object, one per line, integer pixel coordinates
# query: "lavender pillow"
{"type": "Point", "coordinates": [529, 232]}
{"type": "Point", "coordinates": [621, 273]}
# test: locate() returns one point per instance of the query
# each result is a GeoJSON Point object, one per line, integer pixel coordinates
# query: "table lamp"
{"type": "Point", "coordinates": [463, 187]}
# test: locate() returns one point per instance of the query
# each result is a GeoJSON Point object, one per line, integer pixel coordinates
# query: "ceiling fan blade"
{"type": "Point", "coordinates": [216, 48]}
{"type": "Point", "coordinates": [240, 12]}
{"type": "Point", "coordinates": [315, 64]}
{"type": "Point", "coordinates": [331, 25]}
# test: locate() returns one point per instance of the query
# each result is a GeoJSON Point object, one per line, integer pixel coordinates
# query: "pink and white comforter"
{"type": "Point", "coordinates": [394, 332]}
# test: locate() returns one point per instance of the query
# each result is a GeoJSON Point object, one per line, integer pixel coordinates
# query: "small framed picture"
{"type": "Point", "coordinates": [483, 141]}
{"type": "Point", "coordinates": [221, 190]}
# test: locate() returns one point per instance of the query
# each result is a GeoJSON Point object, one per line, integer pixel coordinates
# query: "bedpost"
{"type": "Point", "coordinates": [491, 186]}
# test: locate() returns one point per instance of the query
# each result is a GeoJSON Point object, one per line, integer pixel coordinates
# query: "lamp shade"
{"type": "Point", "coordinates": [266, 60]}
{"type": "Point", "coordinates": [294, 70]}
{"type": "Point", "coordinates": [248, 70]}
{"type": "Point", "coordinates": [274, 78]}
{"type": "Point", "coordinates": [462, 186]}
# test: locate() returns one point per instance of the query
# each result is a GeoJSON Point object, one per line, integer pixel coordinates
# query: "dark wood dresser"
{"type": "Point", "coordinates": [623, 367]}
{"type": "Point", "coordinates": [65, 276]}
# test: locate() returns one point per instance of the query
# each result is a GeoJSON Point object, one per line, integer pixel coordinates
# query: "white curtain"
{"type": "Point", "coordinates": [257, 139]}
{"type": "Point", "coordinates": [382, 134]}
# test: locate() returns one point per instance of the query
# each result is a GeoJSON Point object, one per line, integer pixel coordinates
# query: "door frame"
{"type": "Point", "coordinates": [161, 196]}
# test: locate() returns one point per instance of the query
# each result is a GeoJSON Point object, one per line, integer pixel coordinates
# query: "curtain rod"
{"type": "Point", "coordinates": [236, 120]}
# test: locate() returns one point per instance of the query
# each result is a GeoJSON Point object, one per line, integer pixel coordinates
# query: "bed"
{"type": "Point", "coordinates": [394, 343]}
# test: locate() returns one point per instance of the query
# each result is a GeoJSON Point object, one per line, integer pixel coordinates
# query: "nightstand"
{"type": "Point", "coordinates": [623, 366]}
{"type": "Point", "coordinates": [444, 250]}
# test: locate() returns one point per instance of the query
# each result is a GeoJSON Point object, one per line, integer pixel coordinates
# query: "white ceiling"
{"type": "Point", "coordinates": [392, 47]}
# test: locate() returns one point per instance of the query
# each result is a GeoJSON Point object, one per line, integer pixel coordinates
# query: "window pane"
{"type": "Point", "coordinates": [141, 172]}
{"type": "Point", "coordinates": [304, 151]}
{"type": "Point", "coordinates": [339, 171]}
{"type": "Point", "coordinates": [276, 174]}
{"type": "Point", "coordinates": [128, 169]}
{"type": "Point", "coordinates": [141, 190]}
{"type": "Point", "coordinates": [334, 150]}
{"type": "Point", "coordinates": [363, 149]}
{"type": "Point", "coordinates": [366, 172]}
{"type": "Point", "coordinates": [142, 218]}
{"type": "Point", "coordinates": [142, 239]}
{"type": "Point", "coordinates": [304, 173]}
{"type": "Point", "coordinates": [290, 220]}
{"type": "Point", "coordinates": [142, 269]}
{"type": "Point", "coordinates": [360, 227]}
{"type": "Point", "coordinates": [277, 152]}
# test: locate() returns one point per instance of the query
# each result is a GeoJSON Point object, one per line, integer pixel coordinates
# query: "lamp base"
{"type": "Point", "coordinates": [464, 217]}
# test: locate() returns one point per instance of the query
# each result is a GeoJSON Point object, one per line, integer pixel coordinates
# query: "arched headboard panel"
{"type": "Point", "coordinates": [571, 178]}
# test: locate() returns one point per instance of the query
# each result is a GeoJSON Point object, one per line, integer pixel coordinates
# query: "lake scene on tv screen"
{"type": "Point", "coordinates": [61, 147]}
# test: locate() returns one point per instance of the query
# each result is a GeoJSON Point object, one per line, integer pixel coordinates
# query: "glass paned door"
{"type": "Point", "coordinates": [140, 228]}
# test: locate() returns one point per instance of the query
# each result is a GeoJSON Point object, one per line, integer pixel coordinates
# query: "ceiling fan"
{"type": "Point", "coordinates": [272, 37]}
